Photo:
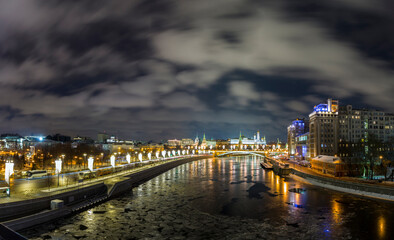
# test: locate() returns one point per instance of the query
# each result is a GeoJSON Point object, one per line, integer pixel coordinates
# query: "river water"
{"type": "Point", "coordinates": [227, 198]}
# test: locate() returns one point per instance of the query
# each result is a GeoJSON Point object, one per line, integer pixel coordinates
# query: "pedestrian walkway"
{"type": "Point", "coordinates": [30, 191]}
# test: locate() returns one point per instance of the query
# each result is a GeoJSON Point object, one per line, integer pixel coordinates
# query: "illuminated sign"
{"type": "Point", "coordinates": [321, 108]}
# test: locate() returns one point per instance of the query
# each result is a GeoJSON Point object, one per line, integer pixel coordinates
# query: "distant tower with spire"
{"type": "Point", "coordinates": [204, 142]}
{"type": "Point", "coordinates": [196, 141]}
{"type": "Point", "coordinates": [240, 140]}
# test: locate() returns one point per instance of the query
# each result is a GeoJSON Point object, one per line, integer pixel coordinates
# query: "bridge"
{"type": "Point", "coordinates": [222, 153]}
{"type": "Point", "coordinates": [226, 153]}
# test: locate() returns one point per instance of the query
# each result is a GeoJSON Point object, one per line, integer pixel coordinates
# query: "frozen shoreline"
{"type": "Point", "coordinates": [343, 189]}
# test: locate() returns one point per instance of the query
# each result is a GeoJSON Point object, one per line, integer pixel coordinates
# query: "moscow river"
{"type": "Point", "coordinates": [226, 198]}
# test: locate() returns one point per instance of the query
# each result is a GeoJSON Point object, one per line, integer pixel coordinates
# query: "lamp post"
{"type": "Point", "coordinates": [128, 158]}
{"type": "Point", "coordinates": [58, 164]}
{"type": "Point", "coordinates": [84, 162]}
{"type": "Point", "coordinates": [9, 170]}
{"type": "Point", "coordinates": [62, 156]}
{"type": "Point", "coordinates": [102, 157]}
{"type": "Point", "coordinates": [91, 163]}
{"type": "Point", "coordinates": [113, 161]}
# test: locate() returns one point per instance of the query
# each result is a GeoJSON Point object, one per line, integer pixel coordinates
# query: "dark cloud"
{"type": "Point", "coordinates": [164, 69]}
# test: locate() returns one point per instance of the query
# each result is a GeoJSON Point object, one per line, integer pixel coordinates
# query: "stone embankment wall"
{"type": "Point", "coordinates": [364, 189]}
{"type": "Point", "coordinates": [136, 178]}
{"type": "Point", "coordinates": [28, 207]}
{"type": "Point", "coordinates": [78, 197]}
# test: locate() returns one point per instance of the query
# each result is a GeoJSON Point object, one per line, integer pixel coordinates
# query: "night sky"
{"type": "Point", "coordinates": [162, 69]}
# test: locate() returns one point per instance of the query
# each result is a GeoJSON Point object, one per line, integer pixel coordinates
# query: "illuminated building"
{"type": "Point", "coordinates": [301, 146]}
{"type": "Point", "coordinates": [297, 128]}
{"type": "Point", "coordinates": [358, 126]}
{"type": "Point", "coordinates": [255, 141]}
{"type": "Point", "coordinates": [355, 135]}
{"type": "Point", "coordinates": [352, 124]}
{"type": "Point", "coordinates": [187, 142]}
{"type": "Point", "coordinates": [174, 142]}
{"type": "Point", "coordinates": [323, 127]}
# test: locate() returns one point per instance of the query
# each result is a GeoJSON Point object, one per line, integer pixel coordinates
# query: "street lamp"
{"type": "Point", "coordinates": [113, 161]}
{"type": "Point", "coordinates": [9, 170]}
{"type": "Point", "coordinates": [62, 156]}
{"type": "Point", "coordinates": [91, 163]}
{"type": "Point", "coordinates": [84, 162]}
{"type": "Point", "coordinates": [58, 164]}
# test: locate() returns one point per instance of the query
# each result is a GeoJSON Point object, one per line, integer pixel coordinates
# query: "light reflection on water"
{"type": "Point", "coordinates": [237, 187]}
{"type": "Point", "coordinates": [237, 175]}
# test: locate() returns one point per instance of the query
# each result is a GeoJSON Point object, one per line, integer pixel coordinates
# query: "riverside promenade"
{"type": "Point", "coordinates": [20, 214]}
{"type": "Point", "coordinates": [383, 190]}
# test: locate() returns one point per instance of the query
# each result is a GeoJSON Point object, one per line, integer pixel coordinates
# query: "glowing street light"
{"type": "Point", "coordinates": [9, 170]}
{"type": "Point", "coordinates": [84, 162]}
{"type": "Point", "coordinates": [113, 161]}
{"type": "Point", "coordinates": [128, 158]}
{"type": "Point", "coordinates": [58, 165]}
{"type": "Point", "coordinates": [90, 163]}
{"type": "Point", "coordinates": [173, 153]}
{"type": "Point", "coordinates": [157, 154]}
{"type": "Point", "coordinates": [169, 153]}
{"type": "Point", "coordinates": [163, 153]}
{"type": "Point", "coordinates": [140, 157]}
{"type": "Point", "coordinates": [150, 156]}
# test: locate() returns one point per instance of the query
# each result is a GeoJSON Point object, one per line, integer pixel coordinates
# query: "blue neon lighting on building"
{"type": "Point", "coordinates": [321, 108]}
{"type": "Point", "coordinates": [304, 150]}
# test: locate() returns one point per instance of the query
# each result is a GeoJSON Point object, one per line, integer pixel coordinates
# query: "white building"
{"type": "Point", "coordinates": [256, 140]}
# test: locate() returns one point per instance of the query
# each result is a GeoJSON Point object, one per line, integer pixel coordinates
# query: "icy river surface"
{"type": "Point", "coordinates": [226, 198]}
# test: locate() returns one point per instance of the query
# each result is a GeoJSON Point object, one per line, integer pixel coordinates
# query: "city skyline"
{"type": "Point", "coordinates": [167, 69]}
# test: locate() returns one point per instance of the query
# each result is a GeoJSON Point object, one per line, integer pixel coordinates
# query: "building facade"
{"type": "Point", "coordinates": [361, 129]}
{"type": "Point", "coordinates": [296, 128]}
{"type": "Point", "coordinates": [242, 141]}
{"type": "Point", "coordinates": [354, 135]}
{"type": "Point", "coordinates": [323, 129]}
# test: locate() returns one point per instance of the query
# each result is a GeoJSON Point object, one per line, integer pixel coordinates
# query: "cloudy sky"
{"type": "Point", "coordinates": [159, 69]}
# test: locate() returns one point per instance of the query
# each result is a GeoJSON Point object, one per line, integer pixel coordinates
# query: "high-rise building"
{"type": "Point", "coordinates": [296, 128]}
{"type": "Point", "coordinates": [355, 135]}
{"type": "Point", "coordinates": [323, 129]}
{"type": "Point", "coordinates": [357, 127]}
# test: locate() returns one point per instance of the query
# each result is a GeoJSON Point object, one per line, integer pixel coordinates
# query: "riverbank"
{"type": "Point", "coordinates": [102, 191]}
{"type": "Point", "coordinates": [371, 190]}
{"type": "Point", "coordinates": [226, 198]}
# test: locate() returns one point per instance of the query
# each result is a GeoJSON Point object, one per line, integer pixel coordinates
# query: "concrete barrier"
{"type": "Point", "coordinates": [362, 188]}
{"type": "Point", "coordinates": [24, 208]}
{"type": "Point", "coordinates": [7, 234]}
